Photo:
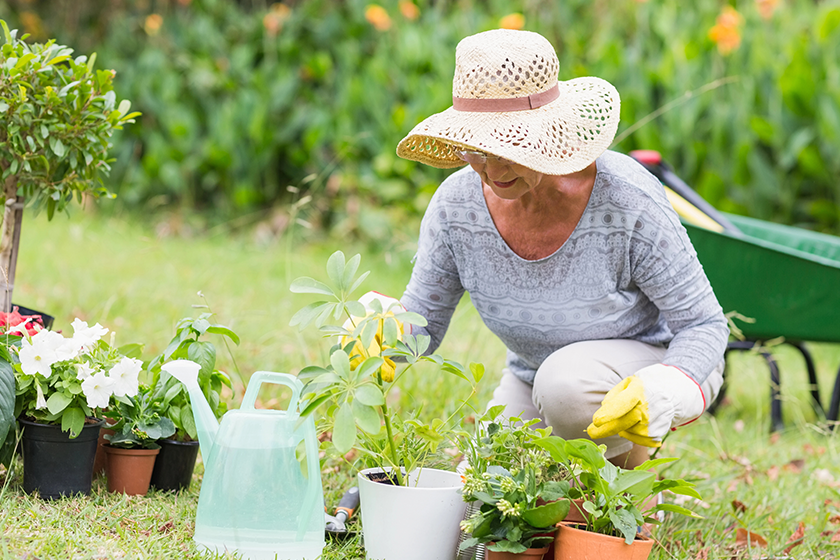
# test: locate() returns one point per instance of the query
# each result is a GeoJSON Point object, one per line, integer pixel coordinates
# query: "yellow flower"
{"type": "Point", "coordinates": [153, 24]}
{"type": "Point", "coordinates": [378, 17]}
{"type": "Point", "coordinates": [512, 21]}
{"type": "Point", "coordinates": [409, 10]}
{"type": "Point", "coordinates": [375, 348]}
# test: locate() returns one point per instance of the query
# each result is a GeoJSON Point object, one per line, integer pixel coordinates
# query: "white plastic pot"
{"type": "Point", "coordinates": [420, 521]}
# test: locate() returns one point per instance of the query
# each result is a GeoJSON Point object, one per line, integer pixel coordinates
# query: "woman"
{"type": "Point", "coordinates": [571, 253]}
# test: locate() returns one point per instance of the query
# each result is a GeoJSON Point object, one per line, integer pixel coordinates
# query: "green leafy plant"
{"type": "Point", "coordinates": [523, 492]}
{"type": "Point", "coordinates": [616, 501]}
{"type": "Point", "coordinates": [370, 353]}
{"type": "Point", "coordinates": [57, 115]}
{"type": "Point", "coordinates": [169, 393]}
{"type": "Point", "coordinates": [139, 421]}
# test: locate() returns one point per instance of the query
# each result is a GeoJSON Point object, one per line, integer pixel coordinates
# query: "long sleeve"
{"type": "Point", "coordinates": [666, 269]}
{"type": "Point", "coordinates": [434, 289]}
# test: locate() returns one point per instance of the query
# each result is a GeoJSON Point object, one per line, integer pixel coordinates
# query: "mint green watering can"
{"type": "Point", "coordinates": [255, 499]}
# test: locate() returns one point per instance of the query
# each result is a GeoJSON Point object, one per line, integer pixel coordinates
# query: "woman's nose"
{"type": "Point", "coordinates": [495, 167]}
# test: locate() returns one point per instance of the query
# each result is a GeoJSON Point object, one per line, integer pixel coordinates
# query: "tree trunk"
{"type": "Point", "coordinates": [10, 240]}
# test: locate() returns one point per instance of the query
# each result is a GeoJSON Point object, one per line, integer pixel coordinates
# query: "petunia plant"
{"type": "Point", "coordinates": [65, 380]}
{"type": "Point", "coordinates": [371, 349]}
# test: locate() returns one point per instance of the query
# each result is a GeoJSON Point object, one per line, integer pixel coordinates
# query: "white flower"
{"type": "Point", "coordinates": [124, 376]}
{"type": "Point", "coordinates": [97, 390]}
{"type": "Point", "coordinates": [40, 401]}
{"type": "Point", "coordinates": [83, 371]}
{"type": "Point", "coordinates": [38, 354]}
{"type": "Point", "coordinates": [84, 337]}
{"type": "Point", "coordinates": [64, 348]}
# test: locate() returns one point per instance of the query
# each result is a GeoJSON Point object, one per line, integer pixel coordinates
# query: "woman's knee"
{"type": "Point", "coordinates": [569, 387]}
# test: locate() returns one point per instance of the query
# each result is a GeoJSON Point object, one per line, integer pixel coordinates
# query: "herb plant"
{"type": "Point", "coordinates": [616, 501]}
{"type": "Point", "coordinates": [523, 492]}
{"type": "Point", "coordinates": [139, 421]}
{"type": "Point", "coordinates": [169, 394]}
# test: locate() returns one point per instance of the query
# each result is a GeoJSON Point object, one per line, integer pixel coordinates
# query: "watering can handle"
{"type": "Point", "coordinates": [260, 377]}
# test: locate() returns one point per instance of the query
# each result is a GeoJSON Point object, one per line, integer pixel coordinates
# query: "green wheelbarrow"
{"type": "Point", "coordinates": [783, 277]}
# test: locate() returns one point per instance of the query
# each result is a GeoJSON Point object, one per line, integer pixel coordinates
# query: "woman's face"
{"type": "Point", "coordinates": [506, 179]}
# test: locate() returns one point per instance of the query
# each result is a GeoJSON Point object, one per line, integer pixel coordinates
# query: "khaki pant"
{"type": "Point", "coordinates": [571, 382]}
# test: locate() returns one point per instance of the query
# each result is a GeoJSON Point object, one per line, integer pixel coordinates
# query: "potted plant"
{"type": "Point", "coordinates": [61, 385]}
{"type": "Point", "coordinates": [372, 349]}
{"type": "Point", "coordinates": [57, 115]}
{"type": "Point", "coordinates": [175, 463]}
{"type": "Point", "coordinates": [521, 491]}
{"type": "Point", "coordinates": [616, 501]}
{"type": "Point", "coordinates": [132, 447]}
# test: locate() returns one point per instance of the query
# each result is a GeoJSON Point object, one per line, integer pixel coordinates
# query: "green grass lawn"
{"type": "Point", "coordinates": [124, 274]}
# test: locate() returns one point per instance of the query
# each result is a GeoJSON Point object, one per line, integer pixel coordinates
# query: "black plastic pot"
{"type": "Point", "coordinates": [174, 465]}
{"type": "Point", "coordinates": [53, 464]}
{"type": "Point", "coordinates": [47, 320]}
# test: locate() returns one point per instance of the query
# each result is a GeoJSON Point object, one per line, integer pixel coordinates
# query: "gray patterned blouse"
{"type": "Point", "coordinates": [628, 271]}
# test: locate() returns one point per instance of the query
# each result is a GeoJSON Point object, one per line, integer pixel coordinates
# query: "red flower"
{"type": "Point", "coordinates": [32, 323]}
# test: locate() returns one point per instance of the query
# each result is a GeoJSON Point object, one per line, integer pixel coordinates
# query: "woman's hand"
{"type": "Point", "coordinates": [643, 407]}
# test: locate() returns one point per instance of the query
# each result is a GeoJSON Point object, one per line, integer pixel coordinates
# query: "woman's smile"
{"type": "Point", "coordinates": [504, 184]}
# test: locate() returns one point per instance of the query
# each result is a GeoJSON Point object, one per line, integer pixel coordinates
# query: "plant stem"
{"type": "Point", "coordinates": [391, 446]}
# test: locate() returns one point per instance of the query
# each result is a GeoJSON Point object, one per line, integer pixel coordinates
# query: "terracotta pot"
{"type": "Point", "coordinates": [576, 544]}
{"type": "Point", "coordinates": [101, 459]}
{"type": "Point", "coordinates": [530, 554]}
{"type": "Point", "coordinates": [130, 470]}
{"type": "Point", "coordinates": [576, 512]}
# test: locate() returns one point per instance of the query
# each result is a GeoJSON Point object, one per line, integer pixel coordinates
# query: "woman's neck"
{"type": "Point", "coordinates": [539, 222]}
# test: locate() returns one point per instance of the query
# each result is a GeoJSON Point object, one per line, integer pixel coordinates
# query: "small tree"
{"type": "Point", "coordinates": [57, 115]}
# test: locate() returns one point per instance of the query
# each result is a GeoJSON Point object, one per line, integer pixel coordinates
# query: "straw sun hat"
{"type": "Point", "coordinates": [507, 102]}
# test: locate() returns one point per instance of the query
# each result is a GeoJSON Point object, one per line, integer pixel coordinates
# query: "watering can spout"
{"type": "Point", "coordinates": [206, 424]}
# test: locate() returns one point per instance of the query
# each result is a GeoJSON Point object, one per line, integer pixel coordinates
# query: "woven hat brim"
{"type": "Point", "coordinates": [559, 138]}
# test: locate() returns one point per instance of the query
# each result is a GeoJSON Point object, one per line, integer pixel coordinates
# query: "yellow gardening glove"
{"type": "Point", "coordinates": [643, 407]}
{"type": "Point", "coordinates": [389, 305]}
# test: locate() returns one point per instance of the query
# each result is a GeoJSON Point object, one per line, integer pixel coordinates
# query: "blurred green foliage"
{"type": "Point", "coordinates": [241, 100]}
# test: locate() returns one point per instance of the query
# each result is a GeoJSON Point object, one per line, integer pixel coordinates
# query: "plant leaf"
{"type": "Point", "coordinates": [305, 315]}
{"type": "Point", "coordinates": [58, 402]}
{"type": "Point", "coordinates": [335, 269]}
{"type": "Point", "coordinates": [73, 420]}
{"type": "Point", "coordinates": [341, 364]}
{"type": "Point", "coordinates": [411, 318]}
{"type": "Point", "coordinates": [314, 404]}
{"type": "Point", "coordinates": [306, 285]}
{"type": "Point", "coordinates": [370, 394]}
{"type": "Point", "coordinates": [367, 418]}
{"type": "Point", "coordinates": [220, 329]}
{"type": "Point", "coordinates": [633, 482]}
{"type": "Point", "coordinates": [653, 463]}
{"type": "Point", "coordinates": [507, 546]}
{"type": "Point", "coordinates": [344, 429]}
{"type": "Point", "coordinates": [350, 270]}
{"type": "Point", "coordinates": [204, 354]}
{"type": "Point", "coordinates": [555, 446]}
{"type": "Point", "coordinates": [624, 522]}
{"type": "Point", "coordinates": [369, 367]}
{"type": "Point", "coordinates": [7, 398]}
{"type": "Point", "coordinates": [674, 508]}
{"type": "Point", "coordinates": [548, 514]}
